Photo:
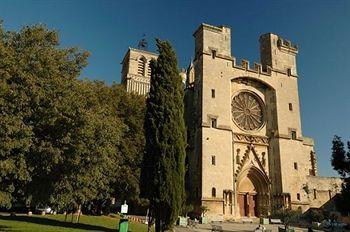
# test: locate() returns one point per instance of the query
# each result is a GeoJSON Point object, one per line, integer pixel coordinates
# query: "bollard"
{"type": "Point", "coordinates": [123, 225]}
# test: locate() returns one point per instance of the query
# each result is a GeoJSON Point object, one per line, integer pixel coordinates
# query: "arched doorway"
{"type": "Point", "coordinates": [252, 192]}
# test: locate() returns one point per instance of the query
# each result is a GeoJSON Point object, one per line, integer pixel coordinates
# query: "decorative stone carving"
{"type": "Point", "coordinates": [251, 139]}
{"type": "Point", "coordinates": [139, 78]}
{"type": "Point", "coordinates": [257, 161]}
{"type": "Point", "coordinates": [263, 159]}
{"type": "Point", "coordinates": [247, 111]}
{"type": "Point", "coordinates": [238, 158]}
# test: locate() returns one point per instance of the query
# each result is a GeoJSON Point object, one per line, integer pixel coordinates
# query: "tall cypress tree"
{"type": "Point", "coordinates": [163, 170]}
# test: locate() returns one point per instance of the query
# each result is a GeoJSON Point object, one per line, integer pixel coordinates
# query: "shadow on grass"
{"type": "Point", "coordinates": [53, 222]}
{"type": "Point", "coordinates": [3, 228]}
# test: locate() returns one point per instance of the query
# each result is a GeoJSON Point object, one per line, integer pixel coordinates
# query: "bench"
{"type": "Point", "coordinates": [216, 228]}
{"type": "Point", "coordinates": [247, 220]}
{"type": "Point", "coordinates": [275, 221]}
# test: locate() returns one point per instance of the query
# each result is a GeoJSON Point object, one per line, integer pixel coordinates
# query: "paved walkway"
{"type": "Point", "coordinates": [234, 227]}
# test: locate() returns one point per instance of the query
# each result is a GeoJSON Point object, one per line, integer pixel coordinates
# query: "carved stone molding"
{"type": "Point", "coordinates": [139, 78]}
{"type": "Point", "coordinates": [250, 139]}
{"type": "Point", "coordinates": [260, 160]}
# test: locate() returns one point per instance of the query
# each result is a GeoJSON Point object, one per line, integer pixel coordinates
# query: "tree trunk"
{"type": "Point", "coordinates": [149, 228]}
{"type": "Point", "coordinates": [72, 217]}
{"type": "Point", "coordinates": [79, 212]}
{"type": "Point", "coordinates": [65, 217]}
{"type": "Point", "coordinates": [150, 223]}
{"type": "Point", "coordinates": [158, 225]}
{"type": "Point", "coordinates": [150, 220]}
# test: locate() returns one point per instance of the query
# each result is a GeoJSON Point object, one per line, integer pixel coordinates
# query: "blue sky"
{"type": "Point", "coordinates": [107, 28]}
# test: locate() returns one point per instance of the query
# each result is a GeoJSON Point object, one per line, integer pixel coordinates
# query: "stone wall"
{"type": "Point", "coordinates": [322, 190]}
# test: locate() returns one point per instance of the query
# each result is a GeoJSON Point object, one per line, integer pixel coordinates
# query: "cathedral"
{"type": "Point", "coordinates": [246, 154]}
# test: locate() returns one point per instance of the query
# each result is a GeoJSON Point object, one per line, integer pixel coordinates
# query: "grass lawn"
{"type": "Point", "coordinates": [56, 223]}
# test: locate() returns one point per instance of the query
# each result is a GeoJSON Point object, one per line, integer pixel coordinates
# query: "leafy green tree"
{"type": "Point", "coordinates": [341, 163]}
{"type": "Point", "coordinates": [131, 110]}
{"type": "Point", "coordinates": [35, 75]}
{"type": "Point", "coordinates": [46, 74]}
{"type": "Point", "coordinates": [163, 170]}
{"type": "Point", "coordinates": [288, 216]}
{"type": "Point", "coordinates": [15, 132]}
{"type": "Point", "coordinates": [63, 141]}
{"type": "Point", "coordinates": [91, 156]}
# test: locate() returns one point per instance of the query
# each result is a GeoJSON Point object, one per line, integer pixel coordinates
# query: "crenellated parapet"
{"type": "Point", "coordinates": [257, 67]}
{"type": "Point", "coordinates": [278, 53]}
{"type": "Point", "coordinates": [287, 45]}
{"type": "Point", "coordinates": [244, 64]}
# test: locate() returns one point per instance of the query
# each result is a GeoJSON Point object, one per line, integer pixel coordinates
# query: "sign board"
{"type": "Point", "coordinates": [124, 209]}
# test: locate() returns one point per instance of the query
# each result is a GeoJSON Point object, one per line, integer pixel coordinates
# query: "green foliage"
{"type": "Point", "coordinates": [31, 70]}
{"type": "Point", "coordinates": [341, 163]}
{"type": "Point", "coordinates": [203, 210]}
{"type": "Point", "coordinates": [131, 110]}
{"type": "Point", "coordinates": [340, 159]}
{"type": "Point", "coordinates": [186, 209]}
{"type": "Point", "coordinates": [163, 170]}
{"type": "Point", "coordinates": [287, 216]}
{"type": "Point", "coordinates": [63, 141]}
{"type": "Point", "coordinates": [89, 154]}
{"type": "Point", "coordinates": [316, 215]}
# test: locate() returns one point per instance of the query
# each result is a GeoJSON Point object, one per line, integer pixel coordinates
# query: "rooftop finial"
{"type": "Point", "coordinates": [143, 44]}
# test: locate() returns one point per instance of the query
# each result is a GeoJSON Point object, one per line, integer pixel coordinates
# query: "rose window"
{"type": "Point", "coordinates": [247, 111]}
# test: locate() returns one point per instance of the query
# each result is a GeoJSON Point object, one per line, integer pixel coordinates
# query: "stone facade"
{"type": "Point", "coordinates": [247, 154]}
{"type": "Point", "coordinates": [246, 151]}
{"type": "Point", "coordinates": [136, 71]}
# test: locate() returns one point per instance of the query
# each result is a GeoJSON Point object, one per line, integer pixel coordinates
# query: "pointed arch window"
{"type": "Point", "coordinates": [141, 66]}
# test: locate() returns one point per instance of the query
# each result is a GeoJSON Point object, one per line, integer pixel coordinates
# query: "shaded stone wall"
{"type": "Point", "coordinates": [322, 190]}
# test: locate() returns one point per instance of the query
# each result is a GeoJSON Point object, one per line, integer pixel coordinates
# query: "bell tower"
{"type": "Point", "coordinates": [136, 72]}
